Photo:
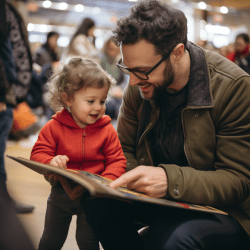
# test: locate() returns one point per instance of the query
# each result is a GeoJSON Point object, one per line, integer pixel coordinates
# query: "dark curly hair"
{"type": "Point", "coordinates": [244, 36]}
{"type": "Point", "coordinates": [156, 22]}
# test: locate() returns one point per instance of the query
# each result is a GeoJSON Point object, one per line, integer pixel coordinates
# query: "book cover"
{"type": "Point", "coordinates": [98, 186]}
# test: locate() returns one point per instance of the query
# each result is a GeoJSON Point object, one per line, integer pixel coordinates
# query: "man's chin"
{"type": "Point", "coordinates": [146, 95]}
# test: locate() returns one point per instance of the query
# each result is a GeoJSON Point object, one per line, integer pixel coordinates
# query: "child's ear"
{"type": "Point", "coordinates": [66, 99]}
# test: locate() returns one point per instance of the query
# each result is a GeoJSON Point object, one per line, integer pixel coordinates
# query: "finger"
{"type": "Point", "coordinates": [64, 159]}
{"type": "Point", "coordinates": [126, 178]}
{"type": "Point", "coordinates": [59, 162]}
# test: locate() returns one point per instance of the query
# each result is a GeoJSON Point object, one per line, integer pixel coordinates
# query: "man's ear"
{"type": "Point", "coordinates": [66, 99]}
{"type": "Point", "coordinates": [178, 51]}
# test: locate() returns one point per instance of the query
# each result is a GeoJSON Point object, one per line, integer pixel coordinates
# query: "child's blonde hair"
{"type": "Point", "coordinates": [74, 74]}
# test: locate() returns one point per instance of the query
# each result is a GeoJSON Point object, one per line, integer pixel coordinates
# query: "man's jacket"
{"type": "Point", "coordinates": [216, 126]}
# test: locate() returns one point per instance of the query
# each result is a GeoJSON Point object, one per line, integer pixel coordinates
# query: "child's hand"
{"type": "Point", "coordinates": [59, 161]}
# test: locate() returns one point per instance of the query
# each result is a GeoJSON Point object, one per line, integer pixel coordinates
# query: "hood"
{"type": "Point", "coordinates": [65, 118]}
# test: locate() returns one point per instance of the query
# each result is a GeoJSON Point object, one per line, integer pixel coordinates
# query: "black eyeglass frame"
{"type": "Point", "coordinates": [121, 67]}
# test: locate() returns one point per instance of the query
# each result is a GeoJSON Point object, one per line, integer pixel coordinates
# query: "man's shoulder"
{"type": "Point", "coordinates": [220, 65]}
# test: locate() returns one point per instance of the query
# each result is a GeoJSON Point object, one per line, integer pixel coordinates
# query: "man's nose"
{"type": "Point", "coordinates": [133, 80]}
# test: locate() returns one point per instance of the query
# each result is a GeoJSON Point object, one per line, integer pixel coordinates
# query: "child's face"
{"type": "Point", "coordinates": [88, 105]}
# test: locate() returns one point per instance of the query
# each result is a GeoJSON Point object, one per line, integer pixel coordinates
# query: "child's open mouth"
{"type": "Point", "coordinates": [94, 116]}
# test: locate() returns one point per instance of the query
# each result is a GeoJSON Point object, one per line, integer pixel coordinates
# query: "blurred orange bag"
{"type": "Point", "coordinates": [23, 119]}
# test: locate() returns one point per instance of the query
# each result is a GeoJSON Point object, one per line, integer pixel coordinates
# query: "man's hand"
{"type": "Point", "coordinates": [73, 193]}
{"type": "Point", "coordinates": [148, 180]}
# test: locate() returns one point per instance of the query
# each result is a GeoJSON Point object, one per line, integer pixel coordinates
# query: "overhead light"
{"type": "Point", "coordinates": [47, 4]}
{"type": "Point", "coordinates": [63, 6]}
{"type": "Point", "coordinates": [43, 28]}
{"type": "Point", "coordinates": [79, 8]}
{"type": "Point", "coordinates": [30, 27]}
{"type": "Point", "coordinates": [97, 32]}
{"type": "Point", "coordinates": [202, 5]}
{"type": "Point", "coordinates": [174, 1]}
{"type": "Point", "coordinates": [224, 9]}
{"type": "Point", "coordinates": [63, 41]}
{"type": "Point", "coordinates": [132, 0]}
{"type": "Point", "coordinates": [217, 29]}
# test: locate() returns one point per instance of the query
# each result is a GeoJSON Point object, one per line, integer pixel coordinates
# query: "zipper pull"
{"type": "Point", "coordinates": [84, 133]}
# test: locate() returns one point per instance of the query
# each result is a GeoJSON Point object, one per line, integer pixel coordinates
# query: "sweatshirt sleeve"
{"type": "Point", "coordinates": [44, 149]}
{"type": "Point", "coordinates": [115, 161]}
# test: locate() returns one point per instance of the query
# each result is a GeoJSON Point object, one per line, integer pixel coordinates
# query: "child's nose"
{"type": "Point", "coordinates": [98, 106]}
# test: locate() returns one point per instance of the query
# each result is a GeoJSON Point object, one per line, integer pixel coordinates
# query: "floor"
{"type": "Point", "coordinates": [29, 187]}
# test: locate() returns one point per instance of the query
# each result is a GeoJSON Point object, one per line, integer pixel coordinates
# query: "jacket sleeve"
{"type": "Point", "coordinates": [3, 35]}
{"type": "Point", "coordinates": [3, 82]}
{"type": "Point", "coordinates": [44, 149]}
{"type": "Point", "coordinates": [227, 182]}
{"type": "Point", "coordinates": [115, 161]}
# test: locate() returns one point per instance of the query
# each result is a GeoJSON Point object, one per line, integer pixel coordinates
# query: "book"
{"type": "Point", "coordinates": [98, 186]}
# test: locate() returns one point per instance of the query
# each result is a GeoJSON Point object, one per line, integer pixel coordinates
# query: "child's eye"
{"type": "Point", "coordinates": [90, 101]}
{"type": "Point", "coordinates": [102, 102]}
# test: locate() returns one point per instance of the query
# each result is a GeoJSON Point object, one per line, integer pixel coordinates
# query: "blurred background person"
{"type": "Point", "coordinates": [241, 55]}
{"type": "Point", "coordinates": [110, 56]}
{"type": "Point", "coordinates": [48, 53]}
{"type": "Point", "coordinates": [44, 58]}
{"type": "Point", "coordinates": [15, 77]}
{"type": "Point", "coordinates": [82, 42]}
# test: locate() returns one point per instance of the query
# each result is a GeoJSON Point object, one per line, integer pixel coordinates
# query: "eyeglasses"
{"type": "Point", "coordinates": [143, 75]}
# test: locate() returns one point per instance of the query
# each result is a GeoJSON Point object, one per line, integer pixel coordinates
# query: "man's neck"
{"type": "Point", "coordinates": [182, 72]}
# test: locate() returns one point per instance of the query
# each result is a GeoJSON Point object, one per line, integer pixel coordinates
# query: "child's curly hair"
{"type": "Point", "coordinates": [72, 75]}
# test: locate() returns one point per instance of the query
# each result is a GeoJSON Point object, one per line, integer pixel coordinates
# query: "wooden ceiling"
{"type": "Point", "coordinates": [238, 4]}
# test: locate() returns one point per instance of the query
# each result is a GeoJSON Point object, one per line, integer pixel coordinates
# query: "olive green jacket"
{"type": "Point", "coordinates": [216, 126]}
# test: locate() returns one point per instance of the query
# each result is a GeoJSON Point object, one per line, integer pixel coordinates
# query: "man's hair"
{"type": "Point", "coordinates": [156, 22]}
{"type": "Point", "coordinates": [244, 36]}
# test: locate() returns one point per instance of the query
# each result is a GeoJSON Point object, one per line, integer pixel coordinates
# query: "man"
{"type": "Point", "coordinates": [14, 84]}
{"type": "Point", "coordinates": [184, 126]}
{"type": "Point", "coordinates": [184, 122]}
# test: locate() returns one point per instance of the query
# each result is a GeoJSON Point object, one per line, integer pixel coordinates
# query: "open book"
{"type": "Point", "coordinates": [98, 186]}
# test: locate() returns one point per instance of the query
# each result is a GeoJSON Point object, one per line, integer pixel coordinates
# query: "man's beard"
{"type": "Point", "coordinates": [161, 89]}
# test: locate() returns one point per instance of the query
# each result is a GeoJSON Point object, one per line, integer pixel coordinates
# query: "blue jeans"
{"type": "Point", "coordinates": [169, 228]}
{"type": "Point", "coordinates": [6, 120]}
{"type": "Point", "coordinates": [60, 209]}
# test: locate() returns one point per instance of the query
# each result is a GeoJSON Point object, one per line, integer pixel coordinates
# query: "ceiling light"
{"type": "Point", "coordinates": [79, 8]}
{"type": "Point", "coordinates": [202, 5]}
{"type": "Point", "coordinates": [63, 6]}
{"type": "Point", "coordinates": [224, 9]}
{"type": "Point", "coordinates": [47, 4]}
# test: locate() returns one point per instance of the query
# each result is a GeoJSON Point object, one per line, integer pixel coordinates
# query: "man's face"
{"type": "Point", "coordinates": [142, 56]}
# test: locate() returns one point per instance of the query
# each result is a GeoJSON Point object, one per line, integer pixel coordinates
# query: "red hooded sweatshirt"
{"type": "Point", "coordinates": [95, 148]}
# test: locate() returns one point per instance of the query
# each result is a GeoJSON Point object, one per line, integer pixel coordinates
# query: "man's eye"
{"type": "Point", "coordinates": [141, 70]}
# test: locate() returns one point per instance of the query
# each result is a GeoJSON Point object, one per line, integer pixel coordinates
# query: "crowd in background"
{"type": "Point", "coordinates": [46, 58]}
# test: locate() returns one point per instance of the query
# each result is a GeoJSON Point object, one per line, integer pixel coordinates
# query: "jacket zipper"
{"type": "Point", "coordinates": [144, 134]}
{"type": "Point", "coordinates": [83, 148]}
{"type": "Point", "coordinates": [185, 146]}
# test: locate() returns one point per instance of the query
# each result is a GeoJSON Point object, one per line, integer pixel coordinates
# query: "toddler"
{"type": "Point", "coordinates": [78, 137]}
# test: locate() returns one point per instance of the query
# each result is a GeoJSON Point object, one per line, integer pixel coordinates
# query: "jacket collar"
{"type": "Point", "coordinates": [199, 93]}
